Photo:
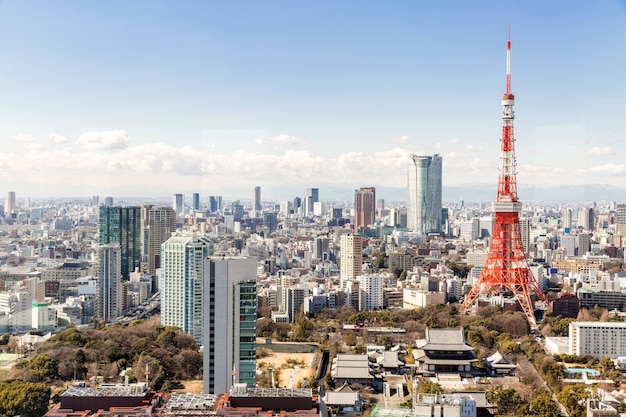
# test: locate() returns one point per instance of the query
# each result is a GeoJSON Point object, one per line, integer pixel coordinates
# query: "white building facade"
{"type": "Point", "coordinates": [598, 339]}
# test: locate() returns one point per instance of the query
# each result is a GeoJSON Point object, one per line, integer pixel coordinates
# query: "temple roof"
{"type": "Point", "coordinates": [444, 339]}
{"type": "Point", "coordinates": [497, 360]}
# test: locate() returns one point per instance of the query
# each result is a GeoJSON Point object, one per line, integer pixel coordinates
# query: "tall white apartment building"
{"type": "Point", "coordinates": [566, 218]}
{"type": "Point", "coordinates": [370, 291]}
{"type": "Point", "coordinates": [351, 256]}
{"type": "Point", "coordinates": [469, 230]}
{"type": "Point", "coordinates": [230, 307]}
{"type": "Point", "coordinates": [182, 283]}
{"type": "Point", "coordinates": [524, 226]}
{"type": "Point", "coordinates": [109, 292]}
{"type": "Point", "coordinates": [15, 311]}
{"type": "Point", "coordinates": [598, 339]}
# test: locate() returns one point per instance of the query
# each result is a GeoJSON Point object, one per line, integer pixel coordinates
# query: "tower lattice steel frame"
{"type": "Point", "coordinates": [507, 266]}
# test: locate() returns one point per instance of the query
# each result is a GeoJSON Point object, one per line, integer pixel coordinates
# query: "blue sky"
{"type": "Point", "coordinates": [155, 97]}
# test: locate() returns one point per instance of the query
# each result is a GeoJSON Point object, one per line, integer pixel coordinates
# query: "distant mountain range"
{"type": "Point", "coordinates": [477, 192]}
{"type": "Point", "coordinates": [342, 192]}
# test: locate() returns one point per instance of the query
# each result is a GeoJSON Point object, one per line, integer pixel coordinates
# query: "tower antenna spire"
{"type": "Point", "coordinates": [508, 63]}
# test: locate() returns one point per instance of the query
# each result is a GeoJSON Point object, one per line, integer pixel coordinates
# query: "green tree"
{"type": "Point", "coordinates": [429, 387]}
{"type": "Point", "coordinates": [560, 326]}
{"type": "Point", "coordinates": [303, 329]}
{"type": "Point", "coordinates": [329, 382]}
{"type": "Point", "coordinates": [543, 405]}
{"type": "Point", "coordinates": [432, 322]}
{"type": "Point", "coordinates": [44, 367]}
{"type": "Point", "coordinates": [572, 397]}
{"type": "Point", "coordinates": [265, 327]}
{"type": "Point", "coordinates": [23, 398]}
{"type": "Point", "coordinates": [508, 400]}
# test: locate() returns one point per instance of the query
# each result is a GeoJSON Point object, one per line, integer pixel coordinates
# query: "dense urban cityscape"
{"type": "Point", "coordinates": [225, 272]}
{"type": "Point", "coordinates": [201, 304]}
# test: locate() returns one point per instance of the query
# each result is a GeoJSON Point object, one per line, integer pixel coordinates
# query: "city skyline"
{"type": "Point", "coordinates": [156, 98]}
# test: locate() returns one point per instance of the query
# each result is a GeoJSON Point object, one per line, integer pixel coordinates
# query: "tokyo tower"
{"type": "Point", "coordinates": [506, 266]}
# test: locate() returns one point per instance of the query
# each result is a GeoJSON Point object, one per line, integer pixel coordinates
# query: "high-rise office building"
{"type": "Point", "coordinates": [270, 220]}
{"type": "Point", "coordinates": [586, 218]}
{"type": "Point", "coordinates": [312, 197]}
{"type": "Point", "coordinates": [10, 205]}
{"type": "Point", "coordinates": [620, 219]}
{"type": "Point", "coordinates": [297, 204]}
{"type": "Point", "coordinates": [568, 244]}
{"type": "Point", "coordinates": [182, 283]}
{"type": "Point", "coordinates": [230, 307]}
{"type": "Point", "coordinates": [424, 194]}
{"type": "Point", "coordinates": [178, 204]}
{"type": "Point", "coordinates": [108, 296]}
{"type": "Point", "coordinates": [584, 243]}
{"type": "Point", "coordinates": [196, 201]}
{"type": "Point", "coordinates": [566, 218]}
{"type": "Point", "coordinates": [161, 224]}
{"type": "Point", "coordinates": [524, 228]}
{"type": "Point", "coordinates": [364, 207]}
{"type": "Point", "coordinates": [215, 203]}
{"type": "Point", "coordinates": [256, 202]}
{"type": "Point", "coordinates": [108, 201]}
{"type": "Point", "coordinates": [292, 299]}
{"type": "Point", "coordinates": [351, 256]}
{"type": "Point", "coordinates": [122, 225]}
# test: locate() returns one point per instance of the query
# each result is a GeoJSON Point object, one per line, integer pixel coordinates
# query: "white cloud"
{"type": "Point", "coordinates": [56, 138]}
{"type": "Point", "coordinates": [112, 140]}
{"type": "Point", "coordinates": [455, 141]}
{"type": "Point", "coordinates": [401, 140]}
{"type": "Point", "coordinates": [598, 151]}
{"type": "Point", "coordinates": [471, 148]}
{"type": "Point", "coordinates": [280, 141]}
{"type": "Point", "coordinates": [606, 169]}
{"type": "Point", "coordinates": [23, 137]}
{"type": "Point", "coordinates": [162, 167]}
{"type": "Point", "coordinates": [286, 140]}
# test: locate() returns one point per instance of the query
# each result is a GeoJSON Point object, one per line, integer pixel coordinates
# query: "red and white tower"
{"type": "Point", "coordinates": [507, 266]}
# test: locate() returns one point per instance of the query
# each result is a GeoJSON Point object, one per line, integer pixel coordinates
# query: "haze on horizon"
{"type": "Point", "coordinates": [150, 98]}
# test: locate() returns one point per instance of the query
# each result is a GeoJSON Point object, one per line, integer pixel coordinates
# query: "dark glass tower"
{"type": "Point", "coordinates": [122, 225]}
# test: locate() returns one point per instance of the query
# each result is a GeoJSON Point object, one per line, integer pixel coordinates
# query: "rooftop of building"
{"type": "Point", "coordinates": [598, 324]}
{"type": "Point", "coordinates": [106, 390]}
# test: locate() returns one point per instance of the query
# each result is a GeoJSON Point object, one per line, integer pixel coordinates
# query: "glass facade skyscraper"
{"type": "Point", "coordinates": [182, 283]}
{"type": "Point", "coordinates": [424, 194]}
{"type": "Point", "coordinates": [122, 225]}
